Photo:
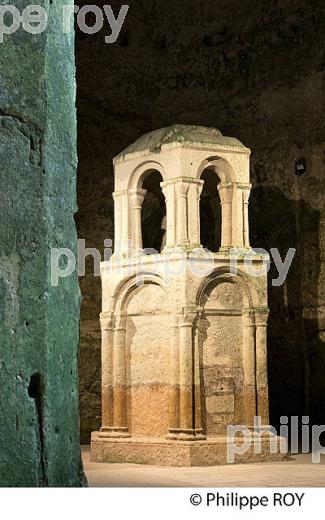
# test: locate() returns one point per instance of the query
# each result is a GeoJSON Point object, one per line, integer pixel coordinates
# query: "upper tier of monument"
{"type": "Point", "coordinates": [181, 136]}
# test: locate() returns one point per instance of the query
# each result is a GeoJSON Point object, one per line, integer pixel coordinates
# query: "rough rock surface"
{"type": "Point", "coordinates": [39, 431]}
{"type": "Point", "coordinates": [255, 70]}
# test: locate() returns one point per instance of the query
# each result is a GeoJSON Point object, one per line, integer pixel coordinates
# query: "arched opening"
{"type": "Point", "coordinates": [147, 360]}
{"type": "Point", "coordinates": [210, 211]}
{"type": "Point", "coordinates": [221, 368]}
{"type": "Point", "coordinates": [153, 215]}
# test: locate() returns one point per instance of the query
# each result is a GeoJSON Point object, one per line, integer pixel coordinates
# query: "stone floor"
{"type": "Point", "coordinates": [298, 472]}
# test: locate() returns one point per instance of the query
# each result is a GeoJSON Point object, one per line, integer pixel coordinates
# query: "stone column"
{"type": "Point", "coordinates": [137, 197]}
{"type": "Point", "coordinates": [226, 195]}
{"type": "Point", "coordinates": [197, 380]}
{"type": "Point", "coordinates": [120, 405]}
{"type": "Point", "coordinates": [117, 196]}
{"type": "Point", "coordinates": [168, 189]}
{"type": "Point", "coordinates": [187, 427]}
{"type": "Point", "coordinates": [237, 216]}
{"type": "Point", "coordinates": [174, 380]}
{"type": "Point", "coordinates": [182, 212]}
{"type": "Point", "coordinates": [248, 359]}
{"type": "Point", "coordinates": [194, 193]}
{"type": "Point", "coordinates": [246, 193]}
{"type": "Point", "coordinates": [107, 330]}
{"type": "Point", "coordinates": [261, 367]}
{"type": "Point", "coordinates": [121, 222]}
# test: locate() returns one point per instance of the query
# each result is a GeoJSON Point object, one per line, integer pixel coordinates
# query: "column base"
{"type": "Point", "coordinates": [162, 452]}
{"type": "Point", "coordinates": [183, 249]}
{"type": "Point", "coordinates": [178, 434]}
{"type": "Point", "coordinates": [111, 431]}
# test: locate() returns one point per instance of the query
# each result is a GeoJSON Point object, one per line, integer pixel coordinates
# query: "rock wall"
{"type": "Point", "coordinates": [254, 69]}
{"type": "Point", "coordinates": [39, 415]}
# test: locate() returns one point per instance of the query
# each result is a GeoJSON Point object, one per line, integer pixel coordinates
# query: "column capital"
{"type": "Point", "coordinates": [118, 194]}
{"type": "Point", "coordinates": [137, 196]}
{"type": "Point", "coordinates": [261, 317]}
{"type": "Point", "coordinates": [199, 187]}
{"type": "Point", "coordinates": [248, 318]}
{"type": "Point", "coordinates": [198, 184]}
{"type": "Point", "coordinates": [238, 184]}
{"type": "Point", "coordinates": [167, 187]}
{"type": "Point", "coordinates": [120, 322]}
{"type": "Point", "coordinates": [185, 180]}
{"type": "Point", "coordinates": [106, 321]}
{"type": "Point", "coordinates": [245, 186]}
{"type": "Point", "coordinates": [188, 315]}
{"type": "Point", "coordinates": [246, 189]}
{"type": "Point", "coordinates": [182, 187]}
{"type": "Point", "coordinates": [182, 183]}
{"type": "Point", "coordinates": [225, 192]}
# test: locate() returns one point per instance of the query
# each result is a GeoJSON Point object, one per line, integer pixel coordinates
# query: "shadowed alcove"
{"type": "Point", "coordinates": [153, 212]}
{"type": "Point", "coordinates": [210, 211]}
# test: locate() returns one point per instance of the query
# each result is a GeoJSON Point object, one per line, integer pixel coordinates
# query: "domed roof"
{"type": "Point", "coordinates": [182, 135]}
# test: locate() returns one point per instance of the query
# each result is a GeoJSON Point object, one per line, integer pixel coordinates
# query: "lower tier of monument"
{"type": "Point", "coordinates": [162, 452]}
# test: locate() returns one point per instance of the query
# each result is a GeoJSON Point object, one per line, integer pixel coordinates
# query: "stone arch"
{"type": "Point", "coordinates": [148, 206]}
{"type": "Point", "coordinates": [145, 310]}
{"type": "Point", "coordinates": [232, 221]}
{"type": "Point", "coordinates": [125, 288]}
{"type": "Point", "coordinates": [144, 169]}
{"type": "Point", "coordinates": [221, 166]}
{"type": "Point", "coordinates": [222, 273]}
{"type": "Point", "coordinates": [224, 300]}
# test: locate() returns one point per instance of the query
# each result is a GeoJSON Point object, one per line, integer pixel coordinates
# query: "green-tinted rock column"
{"type": "Point", "coordinates": [39, 323]}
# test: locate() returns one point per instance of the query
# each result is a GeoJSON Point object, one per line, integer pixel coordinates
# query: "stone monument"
{"type": "Point", "coordinates": [184, 331]}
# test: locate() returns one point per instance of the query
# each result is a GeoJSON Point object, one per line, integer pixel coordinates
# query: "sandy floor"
{"type": "Point", "coordinates": [300, 471]}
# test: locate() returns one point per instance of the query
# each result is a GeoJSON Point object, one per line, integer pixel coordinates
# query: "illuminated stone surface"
{"type": "Point", "coordinates": [183, 337]}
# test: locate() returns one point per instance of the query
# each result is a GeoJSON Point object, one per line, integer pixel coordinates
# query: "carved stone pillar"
{"type": "Point", "coordinates": [120, 426]}
{"type": "Point", "coordinates": [174, 380]}
{"type": "Point", "coordinates": [168, 189]}
{"type": "Point", "coordinates": [226, 195]}
{"type": "Point", "coordinates": [248, 359]}
{"type": "Point", "coordinates": [237, 216]}
{"type": "Point", "coordinates": [137, 197]}
{"type": "Point", "coordinates": [194, 193]}
{"type": "Point", "coordinates": [182, 213]}
{"type": "Point", "coordinates": [261, 367]}
{"type": "Point", "coordinates": [121, 222]}
{"type": "Point", "coordinates": [197, 379]}
{"type": "Point", "coordinates": [117, 196]}
{"type": "Point", "coordinates": [246, 193]}
{"type": "Point", "coordinates": [107, 330]}
{"type": "Point", "coordinates": [186, 356]}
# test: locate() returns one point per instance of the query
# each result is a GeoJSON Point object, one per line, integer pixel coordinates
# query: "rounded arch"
{"type": "Point", "coordinates": [223, 275]}
{"type": "Point", "coordinates": [220, 166]}
{"type": "Point", "coordinates": [142, 171]}
{"type": "Point", "coordinates": [125, 288]}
